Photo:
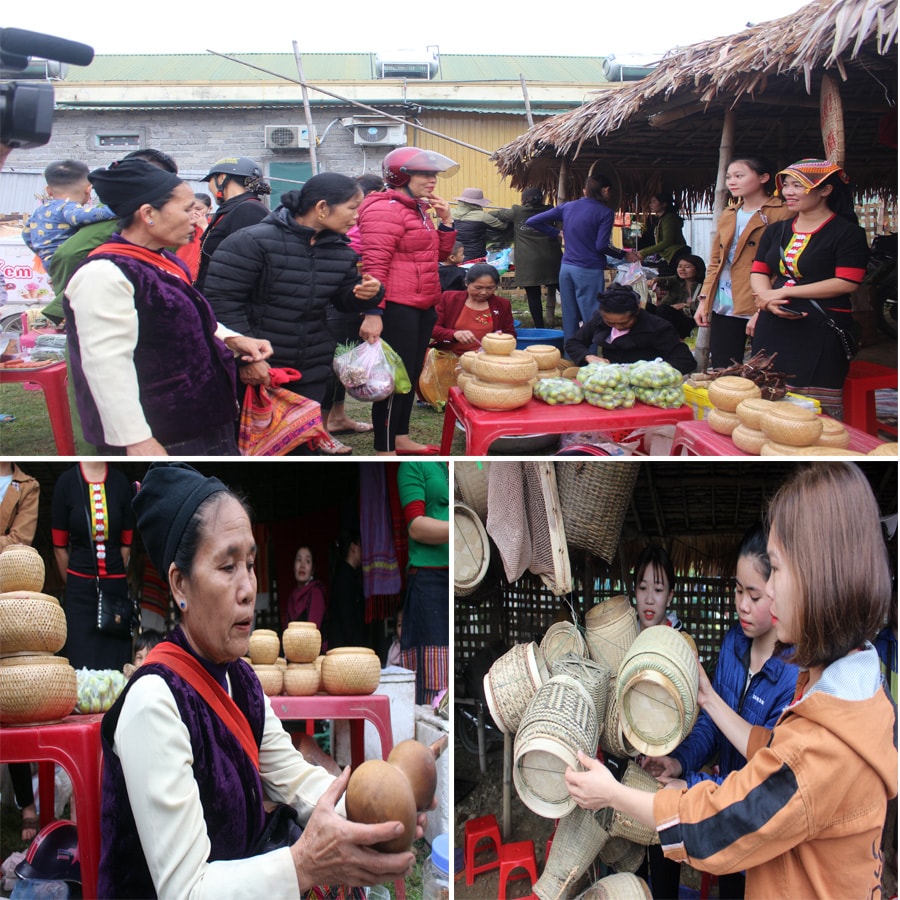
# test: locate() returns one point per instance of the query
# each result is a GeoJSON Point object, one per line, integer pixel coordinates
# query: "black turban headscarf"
{"type": "Point", "coordinates": [130, 183]}
{"type": "Point", "coordinates": [169, 496]}
{"type": "Point", "coordinates": [619, 299]}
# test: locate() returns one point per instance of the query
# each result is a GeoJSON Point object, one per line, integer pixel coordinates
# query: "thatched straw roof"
{"type": "Point", "coordinates": [665, 130]}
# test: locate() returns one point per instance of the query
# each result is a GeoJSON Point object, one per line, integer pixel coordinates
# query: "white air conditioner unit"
{"type": "Point", "coordinates": [379, 134]}
{"type": "Point", "coordinates": [287, 137]}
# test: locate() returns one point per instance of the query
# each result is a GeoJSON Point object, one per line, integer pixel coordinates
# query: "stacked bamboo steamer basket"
{"type": "Point", "coordinates": [35, 685]}
{"type": "Point", "coordinates": [502, 377]}
{"type": "Point", "coordinates": [547, 358]}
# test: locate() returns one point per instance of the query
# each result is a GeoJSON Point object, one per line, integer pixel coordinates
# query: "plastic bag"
{"type": "Point", "coordinates": [365, 372]}
{"type": "Point", "coordinates": [439, 374]}
{"type": "Point", "coordinates": [559, 391]}
{"type": "Point", "coordinates": [97, 689]}
{"type": "Point", "coordinates": [402, 384]}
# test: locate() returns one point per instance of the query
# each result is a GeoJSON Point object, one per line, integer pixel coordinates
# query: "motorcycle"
{"type": "Point", "coordinates": [881, 274]}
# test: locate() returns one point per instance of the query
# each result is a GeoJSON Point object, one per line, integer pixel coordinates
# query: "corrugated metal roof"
{"type": "Point", "coordinates": [462, 68]}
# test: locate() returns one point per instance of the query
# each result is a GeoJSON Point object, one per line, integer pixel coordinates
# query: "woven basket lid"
{"type": "Point", "coordinates": [727, 391]}
{"type": "Point", "coordinates": [791, 428]}
{"type": "Point", "coordinates": [471, 550]}
{"type": "Point", "coordinates": [472, 485]}
{"type": "Point", "coordinates": [888, 449]}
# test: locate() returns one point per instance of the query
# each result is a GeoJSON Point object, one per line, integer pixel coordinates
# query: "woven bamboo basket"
{"type": "Point", "coordinates": [727, 392]}
{"type": "Point", "coordinates": [302, 679]}
{"type": "Point", "coordinates": [748, 439]}
{"type": "Point", "coordinates": [351, 670]}
{"type": "Point", "coordinates": [577, 842]}
{"type": "Point", "coordinates": [626, 827]}
{"type": "Point", "coordinates": [656, 691]}
{"type": "Point", "coordinates": [467, 361]}
{"type": "Point", "coordinates": [888, 449]}
{"type": "Point", "coordinates": [546, 355]}
{"type": "Point", "coordinates": [773, 448]}
{"type": "Point", "coordinates": [264, 647]}
{"type": "Point", "coordinates": [36, 689]}
{"type": "Point", "coordinates": [497, 397]}
{"type": "Point", "coordinates": [560, 639]}
{"type": "Point", "coordinates": [515, 368]}
{"type": "Point", "coordinates": [621, 886]}
{"type": "Point", "coordinates": [282, 663]}
{"type": "Point", "coordinates": [722, 422]}
{"type": "Point", "coordinates": [472, 484]}
{"type": "Point", "coordinates": [594, 498]}
{"type": "Point", "coordinates": [463, 379]}
{"type": "Point", "coordinates": [623, 855]}
{"type": "Point", "coordinates": [471, 550]}
{"type": "Point", "coordinates": [511, 682]}
{"type": "Point", "coordinates": [498, 344]}
{"type": "Point", "coordinates": [790, 424]}
{"type": "Point", "coordinates": [31, 622]}
{"type": "Point", "coordinates": [21, 569]}
{"type": "Point", "coordinates": [610, 628]}
{"type": "Point", "coordinates": [750, 411]}
{"type": "Point", "coordinates": [833, 434]}
{"type": "Point", "coordinates": [271, 678]}
{"type": "Point", "coordinates": [594, 676]}
{"type": "Point", "coordinates": [560, 721]}
{"type": "Point", "coordinates": [302, 642]}
{"type": "Point", "coordinates": [612, 736]}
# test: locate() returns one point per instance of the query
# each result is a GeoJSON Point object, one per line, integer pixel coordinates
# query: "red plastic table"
{"type": "Point", "coordinates": [698, 439]}
{"type": "Point", "coordinates": [74, 743]}
{"type": "Point", "coordinates": [375, 708]}
{"type": "Point", "coordinates": [483, 427]}
{"type": "Point", "coordinates": [52, 380]}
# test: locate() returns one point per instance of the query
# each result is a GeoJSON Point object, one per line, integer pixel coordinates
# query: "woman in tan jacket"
{"type": "Point", "coordinates": [726, 301]}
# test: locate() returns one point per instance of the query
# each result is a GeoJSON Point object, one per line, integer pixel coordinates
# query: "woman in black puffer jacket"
{"type": "Point", "coordinates": [277, 279]}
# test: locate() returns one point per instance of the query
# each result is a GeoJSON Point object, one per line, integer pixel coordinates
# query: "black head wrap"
{"type": "Point", "coordinates": [619, 299]}
{"type": "Point", "coordinates": [130, 183]}
{"type": "Point", "coordinates": [169, 496]}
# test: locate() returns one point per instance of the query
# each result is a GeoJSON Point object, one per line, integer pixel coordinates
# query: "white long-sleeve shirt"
{"type": "Point", "coordinates": [154, 747]}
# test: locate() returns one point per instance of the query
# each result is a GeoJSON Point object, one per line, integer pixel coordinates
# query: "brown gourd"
{"type": "Point", "coordinates": [379, 792]}
{"type": "Point", "coordinates": [417, 763]}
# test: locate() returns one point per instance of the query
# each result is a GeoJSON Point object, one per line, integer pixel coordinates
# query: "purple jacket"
{"type": "Point", "coordinates": [229, 784]}
{"type": "Point", "coordinates": [186, 375]}
{"type": "Point", "coordinates": [586, 225]}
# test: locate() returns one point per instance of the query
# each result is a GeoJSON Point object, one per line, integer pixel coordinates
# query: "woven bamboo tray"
{"type": "Point", "coordinates": [621, 886]}
{"type": "Point", "coordinates": [35, 690]}
{"type": "Point", "coordinates": [511, 682]}
{"type": "Point", "coordinates": [594, 498]}
{"type": "Point", "coordinates": [21, 569]}
{"type": "Point", "coordinates": [471, 550]}
{"type": "Point", "coordinates": [32, 622]}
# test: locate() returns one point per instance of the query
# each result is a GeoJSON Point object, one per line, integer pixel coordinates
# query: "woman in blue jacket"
{"type": "Point", "coordinates": [751, 679]}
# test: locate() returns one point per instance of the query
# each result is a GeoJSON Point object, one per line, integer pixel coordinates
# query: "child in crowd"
{"type": "Point", "coordinates": [66, 209]}
{"type": "Point", "coordinates": [393, 656]}
{"type": "Point", "coordinates": [452, 274]}
{"type": "Point", "coordinates": [654, 588]}
{"type": "Point", "coordinates": [143, 644]}
{"type": "Point", "coordinates": [752, 680]}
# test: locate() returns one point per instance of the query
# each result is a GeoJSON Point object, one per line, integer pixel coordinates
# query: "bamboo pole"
{"type": "Point", "coordinates": [726, 148]}
{"type": "Point", "coordinates": [371, 109]}
{"type": "Point", "coordinates": [306, 111]}
{"type": "Point", "coordinates": [561, 184]}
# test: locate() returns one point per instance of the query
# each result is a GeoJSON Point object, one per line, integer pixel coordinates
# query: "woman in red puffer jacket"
{"type": "Point", "coordinates": [402, 248]}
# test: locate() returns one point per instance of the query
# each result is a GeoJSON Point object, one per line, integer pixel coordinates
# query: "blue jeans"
{"type": "Point", "coordinates": [578, 289]}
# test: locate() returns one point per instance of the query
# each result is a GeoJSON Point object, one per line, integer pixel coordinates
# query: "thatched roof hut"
{"type": "Point", "coordinates": [759, 89]}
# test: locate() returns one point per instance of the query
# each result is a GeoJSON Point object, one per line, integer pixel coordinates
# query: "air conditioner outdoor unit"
{"type": "Point", "coordinates": [379, 134]}
{"type": "Point", "coordinates": [287, 137]}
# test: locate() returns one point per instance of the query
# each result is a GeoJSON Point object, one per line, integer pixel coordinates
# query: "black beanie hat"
{"type": "Point", "coordinates": [130, 183]}
{"type": "Point", "coordinates": [169, 496]}
{"type": "Point", "coordinates": [619, 299]}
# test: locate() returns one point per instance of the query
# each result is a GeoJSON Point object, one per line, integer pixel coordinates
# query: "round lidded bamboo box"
{"type": "Point", "coordinates": [351, 670]}
{"type": "Point", "coordinates": [264, 647]}
{"type": "Point", "coordinates": [722, 422]}
{"type": "Point", "coordinates": [787, 423]}
{"type": "Point", "coordinates": [750, 411]}
{"type": "Point", "coordinates": [498, 344]}
{"type": "Point", "coordinates": [302, 679]}
{"type": "Point", "coordinates": [31, 621]}
{"type": "Point", "coordinates": [302, 642]}
{"type": "Point", "coordinates": [271, 678]}
{"type": "Point", "coordinates": [21, 569]}
{"type": "Point", "coordinates": [727, 391]}
{"type": "Point", "coordinates": [497, 397]}
{"type": "Point", "coordinates": [36, 689]}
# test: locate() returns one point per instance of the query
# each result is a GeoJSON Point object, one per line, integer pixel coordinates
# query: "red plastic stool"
{"type": "Point", "coordinates": [518, 855]}
{"type": "Point", "coordinates": [706, 882]}
{"type": "Point", "coordinates": [863, 379]}
{"type": "Point", "coordinates": [484, 828]}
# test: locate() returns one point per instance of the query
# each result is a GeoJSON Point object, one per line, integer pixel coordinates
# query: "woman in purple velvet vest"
{"type": "Point", "coordinates": [184, 783]}
{"type": "Point", "coordinates": [154, 373]}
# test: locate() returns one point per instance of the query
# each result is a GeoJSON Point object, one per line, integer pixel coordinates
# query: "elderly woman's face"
{"type": "Point", "coordinates": [482, 288]}
{"type": "Point", "coordinates": [173, 222]}
{"type": "Point", "coordinates": [220, 593]}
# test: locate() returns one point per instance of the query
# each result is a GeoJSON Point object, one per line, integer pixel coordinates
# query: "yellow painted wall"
{"type": "Point", "coordinates": [487, 131]}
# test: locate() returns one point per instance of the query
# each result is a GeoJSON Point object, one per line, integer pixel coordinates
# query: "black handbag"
{"type": "Point", "coordinates": [117, 613]}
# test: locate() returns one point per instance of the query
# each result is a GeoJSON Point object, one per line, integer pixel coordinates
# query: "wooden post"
{"type": "Point", "coordinates": [726, 148]}
{"type": "Point", "coordinates": [528, 114]}
{"type": "Point", "coordinates": [561, 184]}
{"type": "Point", "coordinates": [306, 110]}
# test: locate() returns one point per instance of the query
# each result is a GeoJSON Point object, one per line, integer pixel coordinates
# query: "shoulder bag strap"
{"type": "Point", "coordinates": [185, 666]}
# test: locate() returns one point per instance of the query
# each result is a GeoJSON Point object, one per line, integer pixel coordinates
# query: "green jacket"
{"type": "Point", "coordinates": [668, 237]}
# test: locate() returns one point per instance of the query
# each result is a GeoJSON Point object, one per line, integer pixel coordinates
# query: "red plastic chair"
{"type": "Point", "coordinates": [484, 828]}
{"type": "Point", "coordinates": [517, 855]}
{"type": "Point", "coordinates": [863, 379]}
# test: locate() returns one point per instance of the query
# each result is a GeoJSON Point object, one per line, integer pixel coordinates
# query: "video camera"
{"type": "Point", "coordinates": [26, 107]}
